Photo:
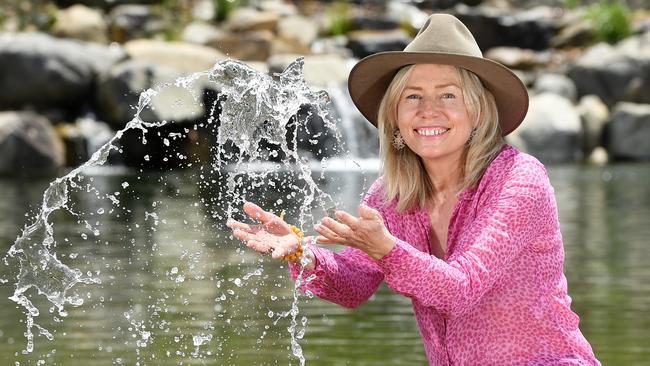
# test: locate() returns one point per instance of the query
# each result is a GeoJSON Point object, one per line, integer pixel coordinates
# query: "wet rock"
{"type": "Point", "coordinates": [182, 56]}
{"type": "Point", "coordinates": [364, 43]}
{"type": "Point", "coordinates": [249, 19]}
{"type": "Point", "coordinates": [249, 46]}
{"type": "Point", "coordinates": [319, 70]}
{"type": "Point", "coordinates": [43, 71]}
{"type": "Point", "coordinates": [128, 22]}
{"type": "Point", "coordinates": [629, 132]}
{"type": "Point", "coordinates": [594, 115]}
{"type": "Point", "coordinates": [298, 28]}
{"type": "Point", "coordinates": [557, 84]}
{"type": "Point", "coordinates": [518, 58]}
{"type": "Point", "coordinates": [201, 33]}
{"type": "Point", "coordinates": [118, 93]}
{"type": "Point", "coordinates": [551, 130]}
{"type": "Point", "coordinates": [81, 22]}
{"type": "Point", "coordinates": [615, 73]}
{"type": "Point", "coordinates": [529, 29]}
{"type": "Point", "coordinates": [28, 144]}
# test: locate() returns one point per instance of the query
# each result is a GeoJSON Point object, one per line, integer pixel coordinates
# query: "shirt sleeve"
{"type": "Point", "coordinates": [518, 207]}
{"type": "Point", "coordinates": [347, 278]}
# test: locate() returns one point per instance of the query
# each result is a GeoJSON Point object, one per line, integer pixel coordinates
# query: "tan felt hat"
{"type": "Point", "coordinates": [442, 40]}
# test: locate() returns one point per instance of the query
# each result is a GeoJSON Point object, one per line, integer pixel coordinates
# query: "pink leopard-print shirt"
{"type": "Point", "coordinates": [499, 297]}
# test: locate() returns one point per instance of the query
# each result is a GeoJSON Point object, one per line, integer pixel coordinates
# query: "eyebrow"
{"type": "Point", "coordinates": [441, 86]}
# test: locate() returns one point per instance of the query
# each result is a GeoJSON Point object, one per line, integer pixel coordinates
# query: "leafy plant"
{"type": "Point", "coordinates": [611, 20]}
{"type": "Point", "coordinates": [338, 15]}
{"type": "Point", "coordinates": [225, 7]}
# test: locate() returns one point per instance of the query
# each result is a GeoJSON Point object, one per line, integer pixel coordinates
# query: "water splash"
{"type": "Point", "coordinates": [252, 112]}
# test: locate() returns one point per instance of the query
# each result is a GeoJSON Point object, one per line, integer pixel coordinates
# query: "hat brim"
{"type": "Point", "coordinates": [371, 76]}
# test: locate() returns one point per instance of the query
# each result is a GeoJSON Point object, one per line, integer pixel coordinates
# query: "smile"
{"type": "Point", "coordinates": [431, 131]}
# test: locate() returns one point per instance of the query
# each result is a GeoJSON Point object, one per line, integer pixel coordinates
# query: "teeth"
{"type": "Point", "coordinates": [429, 132]}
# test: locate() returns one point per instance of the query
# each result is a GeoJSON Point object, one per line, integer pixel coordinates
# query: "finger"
{"type": "Point", "coordinates": [346, 218]}
{"type": "Point", "coordinates": [328, 234]}
{"type": "Point", "coordinates": [338, 228]}
{"type": "Point", "coordinates": [234, 224]}
{"type": "Point", "coordinates": [323, 240]}
{"type": "Point", "coordinates": [368, 213]}
{"type": "Point", "coordinates": [257, 213]}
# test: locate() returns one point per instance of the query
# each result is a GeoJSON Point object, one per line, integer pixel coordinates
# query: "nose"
{"type": "Point", "coordinates": [428, 106]}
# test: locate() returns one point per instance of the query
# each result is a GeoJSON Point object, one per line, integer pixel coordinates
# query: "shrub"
{"type": "Point", "coordinates": [611, 20]}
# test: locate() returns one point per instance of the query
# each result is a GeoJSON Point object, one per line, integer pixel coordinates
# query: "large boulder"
{"type": "Point", "coordinates": [615, 73]}
{"type": "Point", "coordinates": [551, 130]}
{"type": "Point", "coordinates": [250, 19]}
{"type": "Point", "coordinates": [557, 84]}
{"type": "Point", "coordinates": [364, 43]}
{"type": "Point", "coordinates": [44, 71]}
{"type": "Point", "coordinates": [531, 29]}
{"type": "Point", "coordinates": [629, 132]}
{"type": "Point", "coordinates": [28, 143]}
{"type": "Point", "coordinates": [298, 28]}
{"type": "Point", "coordinates": [200, 33]}
{"type": "Point", "coordinates": [133, 21]}
{"type": "Point", "coordinates": [594, 116]}
{"type": "Point", "coordinates": [319, 70]}
{"type": "Point", "coordinates": [81, 22]}
{"type": "Point", "coordinates": [186, 57]}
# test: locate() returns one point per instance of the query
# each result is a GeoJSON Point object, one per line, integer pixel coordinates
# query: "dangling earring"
{"type": "Point", "coordinates": [471, 137]}
{"type": "Point", "coordinates": [398, 140]}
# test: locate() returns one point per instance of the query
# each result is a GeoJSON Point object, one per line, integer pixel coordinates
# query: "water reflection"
{"type": "Point", "coordinates": [177, 290]}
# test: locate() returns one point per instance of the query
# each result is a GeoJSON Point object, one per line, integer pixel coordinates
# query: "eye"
{"type": "Point", "coordinates": [413, 96]}
{"type": "Point", "coordinates": [448, 96]}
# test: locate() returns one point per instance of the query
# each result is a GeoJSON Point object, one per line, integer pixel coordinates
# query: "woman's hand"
{"type": "Point", "coordinates": [272, 235]}
{"type": "Point", "coordinates": [367, 232]}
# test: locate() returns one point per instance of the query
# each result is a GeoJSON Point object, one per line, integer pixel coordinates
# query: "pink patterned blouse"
{"type": "Point", "coordinates": [499, 297]}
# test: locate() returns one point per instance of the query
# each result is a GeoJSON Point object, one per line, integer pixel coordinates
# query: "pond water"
{"type": "Point", "coordinates": [176, 289]}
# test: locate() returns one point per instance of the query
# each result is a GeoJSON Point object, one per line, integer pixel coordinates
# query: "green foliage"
{"type": "Point", "coordinates": [225, 7]}
{"type": "Point", "coordinates": [611, 21]}
{"type": "Point", "coordinates": [570, 4]}
{"type": "Point", "coordinates": [338, 15]}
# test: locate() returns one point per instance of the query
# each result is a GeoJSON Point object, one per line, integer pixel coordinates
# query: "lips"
{"type": "Point", "coordinates": [431, 131]}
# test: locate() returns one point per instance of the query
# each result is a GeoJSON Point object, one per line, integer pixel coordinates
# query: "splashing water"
{"type": "Point", "coordinates": [259, 123]}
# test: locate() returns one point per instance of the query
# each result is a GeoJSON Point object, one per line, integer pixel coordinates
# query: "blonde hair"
{"type": "Point", "coordinates": [405, 178]}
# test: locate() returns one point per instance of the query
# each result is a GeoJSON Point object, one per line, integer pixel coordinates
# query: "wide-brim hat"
{"type": "Point", "coordinates": [442, 40]}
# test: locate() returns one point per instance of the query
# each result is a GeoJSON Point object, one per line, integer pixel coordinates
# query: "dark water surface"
{"type": "Point", "coordinates": [176, 290]}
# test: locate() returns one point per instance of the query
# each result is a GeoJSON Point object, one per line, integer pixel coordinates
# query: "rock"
{"type": "Point", "coordinates": [204, 10]}
{"type": "Point", "coordinates": [518, 58]}
{"type": "Point", "coordinates": [629, 132]}
{"type": "Point", "coordinates": [81, 22]}
{"type": "Point", "coordinates": [249, 46]}
{"type": "Point", "coordinates": [615, 73]}
{"type": "Point", "coordinates": [528, 29]}
{"type": "Point", "coordinates": [319, 70]}
{"type": "Point", "coordinates": [28, 143]}
{"type": "Point", "coordinates": [407, 14]}
{"type": "Point", "coordinates": [298, 28]}
{"type": "Point", "coordinates": [118, 93]}
{"type": "Point", "coordinates": [249, 19]}
{"type": "Point", "coordinates": [551, 130]}
{"type": "Point", "coordinates": [576, 32]}
{"type": "Point", "coordinates": [44, 71]}
{"type": "Point", "coordinates": [599, 156]}
{"type": "Point", "coordinates": [128, 22]}
{"type": "Point", "coordinates": [279, 7]}
{"type": "Point", "coordinates": [364, 43]}
{"type": "Point", "coordinates": [556, 84]}
{"type": "Point", "coordinates": [374, 22]}
{"type": "Point", "coordinates": [201, 33]}
{"type": "Point", "coordinates": [594, 115]}
{"type": "Point", "coordinates": [185, 57]}
{"type": "Point", "coordinates": [82, 138]}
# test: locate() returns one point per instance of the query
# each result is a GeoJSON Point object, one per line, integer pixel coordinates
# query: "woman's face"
{"type": "Point", "coordinates": [431, 113]}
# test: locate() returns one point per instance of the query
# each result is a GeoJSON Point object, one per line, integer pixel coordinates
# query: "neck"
{"type": "Point", "coordinates": [445, 175]}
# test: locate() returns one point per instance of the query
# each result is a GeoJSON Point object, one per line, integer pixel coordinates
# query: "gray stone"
{"type": "Point", "coordinates": [557, 84]}
{"type": "Point", "coordinates": [28, 144]}
{"type": "Point", "coordinates": [128, 22]}
{"type": "Point", "coordinates": [282, 8]}
{"type": "Point", "coordinates": [319, 70]}
{"type": "Point", "coordinates": [615, 73]}
{"type": "Point", "coordinates": [629, 132]}
{"type": "Point", "coordinates": [551, 130]}
{"type": "Point", "coordinates": [299, 28]}
{"type": "Point", "coordinates": [186, 57]}
{"type": "Point", "coordinates": [201, 33]}
{"type": "Point", "coordinates": [41, 70]}
{"type": "Point", "coordinates": [119, 91]}
{"type": "Point", "coordinates": [249, 19]}
{"type": "Point", "coordinates": [248, 46]}
{"type": "Point", "coordinates": [594, 115]}
{"type": "Point", "coordinates": [518, 58]}
{"type": "Point", "coordinates": [364, 43]}
{"type": "Point", "coordinates": [81, 22]}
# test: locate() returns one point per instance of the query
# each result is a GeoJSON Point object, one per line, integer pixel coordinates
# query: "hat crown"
{"type": "Point", "coordinates": [444, 33]}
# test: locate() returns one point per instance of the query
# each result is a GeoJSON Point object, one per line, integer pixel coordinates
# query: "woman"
{"type": "Point", "coordinates": [461, 223]}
